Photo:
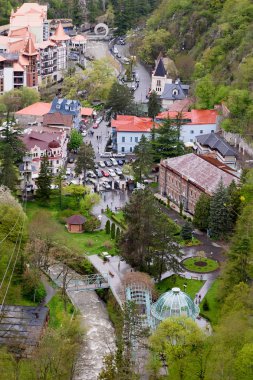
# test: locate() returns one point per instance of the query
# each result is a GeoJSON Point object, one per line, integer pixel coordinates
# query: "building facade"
{"type": "Point", "coordinates": [183, 179]}
{"type": "Point", "coordinates": [193, 123]}
{"type": "Point", "coordinates": [128, 130]}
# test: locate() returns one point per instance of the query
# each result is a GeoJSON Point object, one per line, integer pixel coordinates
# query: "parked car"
{"type": "Point", "coordinates": [84, 133]}
{"type": "Point", "coordinates": [105, 173]}
{"type": "Point", "coordinates": [99, 119]}
{"type": "Point", "coordinates": [113, 161]}
{"type": "Point", "coordinates": [118, 55]}
{"type": "Point", "coordinates": [95, 126]}
{"type": "Point", "coordinates": [101, 164]}
{"type": "Point", "coordinates": [108, 163]}
{"type": "Point", "coordinates": [118, 171]}
{"type": "Point", "coordinates": [133, 87]}
{"type": "Point", "coordinates": [106, 185]}
{"type": "Point", "coordinates": [98, 173]}
{"type": "Point", "coordinates": [120, 162]}
{"type": "Point", "coordinates": [71, 160]}
{"type": "Point", "coordinates": [111, 172]}
{"type": "Point", "coordinates": [115, 50]}
{"type": "Point", "coordinates": [91, 174]}
{"type": "Point", "coordinates": [122, 42]}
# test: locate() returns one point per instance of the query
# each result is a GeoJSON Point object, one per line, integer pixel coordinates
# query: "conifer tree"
{"type": "Point", "coordinates": [153, 105]}
{"type": "Point", "coordinates": [108, 227]}
{"type": "Point", "coordinates": [202, 211]}
{"type": "Point", "coordinates": [44, 180]}
{"type": "Point", "coordinates": [113, 231]}
{"type": "Point", "coordinates": [8, 172]}
{"type": "Point", "coordinates": [144, 159]}
{"type": "Point", "coordinates": [220, 220]}
{"type": "Point", "coordinates": [186, 232]}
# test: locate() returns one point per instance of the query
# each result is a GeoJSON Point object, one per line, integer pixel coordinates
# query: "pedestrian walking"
{"type": "Point", "coordinates": [199, 298]}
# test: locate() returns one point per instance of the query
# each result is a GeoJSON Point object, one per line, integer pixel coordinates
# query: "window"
{"type": "Point", "coordinates": [131, 149]}
{"type": "Point", "coordinates": [122, 149]}
{"type": "Point", "coordinates": [212, 130]}
{"type": "Point", "coordinates": [192, 132]}
{"type": "Point", "coordinates": [123, 139]}
{"type": "Point", "coordinates": [191, 140]}
{"type": "Point", "coordinates": [201, 131]}
{"type": "Point", "coordinates": [131, 139]}
{"type": "Point", "coordinates": [174, 92]}
{"type": "Point", "coordinates": [57, 161]}
{"type": "Point", "coordinates": [136, 139]}
{"type": "Point", "coordinates": [158, 83]}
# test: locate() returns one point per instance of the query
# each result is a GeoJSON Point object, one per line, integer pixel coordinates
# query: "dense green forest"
{"type": "Point", "coordinates": [211, 43]}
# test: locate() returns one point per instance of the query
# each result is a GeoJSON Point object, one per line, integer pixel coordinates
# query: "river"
{"type": "Point", "coordinates": [99, 337]}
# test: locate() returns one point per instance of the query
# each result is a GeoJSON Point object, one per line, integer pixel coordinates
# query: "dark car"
{"type": "Point", "coordinates": [120, 162]}
{"type": "Point", "coordinates": [71, 160]}
{"type": "Point", "coordinates": [108, 163]}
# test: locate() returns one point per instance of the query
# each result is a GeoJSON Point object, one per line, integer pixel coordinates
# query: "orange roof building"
{"type": "Point", "coordinates": [127, 131]}
{"type": "Point", "coordinates": [194, 123]}
{"type": "Point", "coordinates": [36, 109]}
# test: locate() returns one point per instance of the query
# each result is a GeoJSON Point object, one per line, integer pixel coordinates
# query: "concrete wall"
{"type": "Point", "coordinates": [237, 141]}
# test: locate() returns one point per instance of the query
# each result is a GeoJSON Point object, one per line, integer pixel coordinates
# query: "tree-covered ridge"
{"type": "Point", "coordinates": [211, 43]}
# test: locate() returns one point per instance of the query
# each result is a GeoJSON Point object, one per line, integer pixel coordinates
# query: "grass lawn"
{"type": "Point", "coordinates": [117, 217]}
{"type": "Point", "coordinates": [213, 313]}
{"type": "Point", "coordinates": [57, 312]}
{"type": "Point", "coordinates": [200, 264]}
{"type": "Point", "coordinates": [89, 243]}
{"type": "Point", "coordinates": [193, 286]}
{"type": "Point", "coordinates": [190, 243]}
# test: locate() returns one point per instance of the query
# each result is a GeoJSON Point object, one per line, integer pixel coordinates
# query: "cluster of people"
{"type": "Point", "coordinates": [197, 298]}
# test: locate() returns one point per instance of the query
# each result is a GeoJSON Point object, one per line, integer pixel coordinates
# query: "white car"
{"type": "Point", "coordinates": [84, 133]}
{"type": "Point", "coordinates": [91, 174]}
{"type": "Point", "coordinates": [111, 172]}
{"type": "Point", "coordinates": [106, 186]}
{"type": "Point", "coordinates": [113, 161]}
{"type": "Point", "coordinates": [101, 164]}
{"type": "Point", "coordinates": [99, 119]}
{"type": "Point", "coordinates": [118, 171]}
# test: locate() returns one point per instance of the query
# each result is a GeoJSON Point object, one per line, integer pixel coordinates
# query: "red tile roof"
{"type": "Point", "coordinates": [29, 49]}
{"type": "Point", "coordinates": [41, 140]}
{"type": "Point", "coordinates": [58, 118]}
{"type": "Point", "coordinates": [36, 109]}
{"type": "Point", "coordinates": [196, 116]}
{"type": "Point", "coordinates": [199, 171]}
{"type": "Point", "coordinates": [76, 219]}
{"type": "Point", "coordinates": [59, 34]}
{"type": "Point", "coordinates": [85, 111]}
{"type": "Point", "coordinates": [125, 123]}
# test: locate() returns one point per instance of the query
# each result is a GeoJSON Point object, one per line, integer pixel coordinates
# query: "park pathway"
{"type": "Point", "coordinates": [99, 337]}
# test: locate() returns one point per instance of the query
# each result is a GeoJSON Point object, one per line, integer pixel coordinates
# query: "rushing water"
{"type": "Point", "coordinates": [99, 337]}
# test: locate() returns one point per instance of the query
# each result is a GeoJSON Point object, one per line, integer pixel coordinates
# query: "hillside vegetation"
{"type": "Point", "coordinates": [211, 43]}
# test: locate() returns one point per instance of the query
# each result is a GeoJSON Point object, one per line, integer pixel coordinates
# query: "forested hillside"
{"type": "Point", "coordinates": [211, 43]}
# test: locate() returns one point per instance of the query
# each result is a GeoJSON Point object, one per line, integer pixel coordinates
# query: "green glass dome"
{"type": "Point", "coordinates": [174, 303]}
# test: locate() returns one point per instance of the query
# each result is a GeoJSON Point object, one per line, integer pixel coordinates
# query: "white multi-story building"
{"type": "Point", "coordinates": [193, 123]}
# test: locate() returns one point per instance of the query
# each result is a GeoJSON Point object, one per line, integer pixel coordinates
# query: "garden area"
{"type": "Point", "coordinates": [91, 241]}
{"type": "Point", "coordinates": [200, 264]}
{"type": "Point", "coordinates": [192, 286]}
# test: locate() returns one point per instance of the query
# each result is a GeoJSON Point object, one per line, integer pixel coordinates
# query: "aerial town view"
{"type": "Point", "coordinates": [126, 190]}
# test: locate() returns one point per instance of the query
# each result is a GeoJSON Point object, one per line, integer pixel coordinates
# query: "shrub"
{"type": "Point", "coordinates": [89, 243]}
{"type": "Point", "coordinates": [108, 227]}
{"type": "Point", "coordinates": [113, 231]}
{"type": "Point", "coordinates": [205, 305]}
{"type": "Point", "coordinates": [117, 237]}
{"type": "Point", "coordinates": [107, 244]}
{"type": "Point", "coordinates": [64, 215]}
{"type": "Point", "coordinates": [32, 288]}
{"type": "Point", "coordinates": [91, 224]}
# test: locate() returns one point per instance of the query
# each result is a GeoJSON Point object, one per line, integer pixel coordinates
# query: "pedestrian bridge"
{"type": "Point", "coordinates": [89, 282]}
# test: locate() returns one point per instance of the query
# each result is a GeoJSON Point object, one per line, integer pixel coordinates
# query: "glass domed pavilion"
{"type": "Point", "coordinates": [173, 303]}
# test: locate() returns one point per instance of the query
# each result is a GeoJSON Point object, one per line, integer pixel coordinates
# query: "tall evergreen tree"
{"type": "Point", "coordinates": [144, 159]}
{"type": "Point", "coordinates": [220, 223]}
{"type": "Point", "coordinates": [186, 232]}
{"type": "Point", "coordinates": [8, 172]}
{"type": "Point", "coordinates": [167, 141]}
{"type": "Point", "coordinates": [120, 99]}
{"type": "Point", "coordinates": [153, 105]}
{"type": "Point", "coordinates": [44, 180]}
{"type": "Point", "coordinates": [11, 137]}
{"type": "Point", "coordinates": [85, 159]}
{"type": "Point", "coordinates": [202, 211]}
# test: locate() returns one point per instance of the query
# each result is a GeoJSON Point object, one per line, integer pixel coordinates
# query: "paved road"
{"type": "Point", "coordinates": [144, 76]}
